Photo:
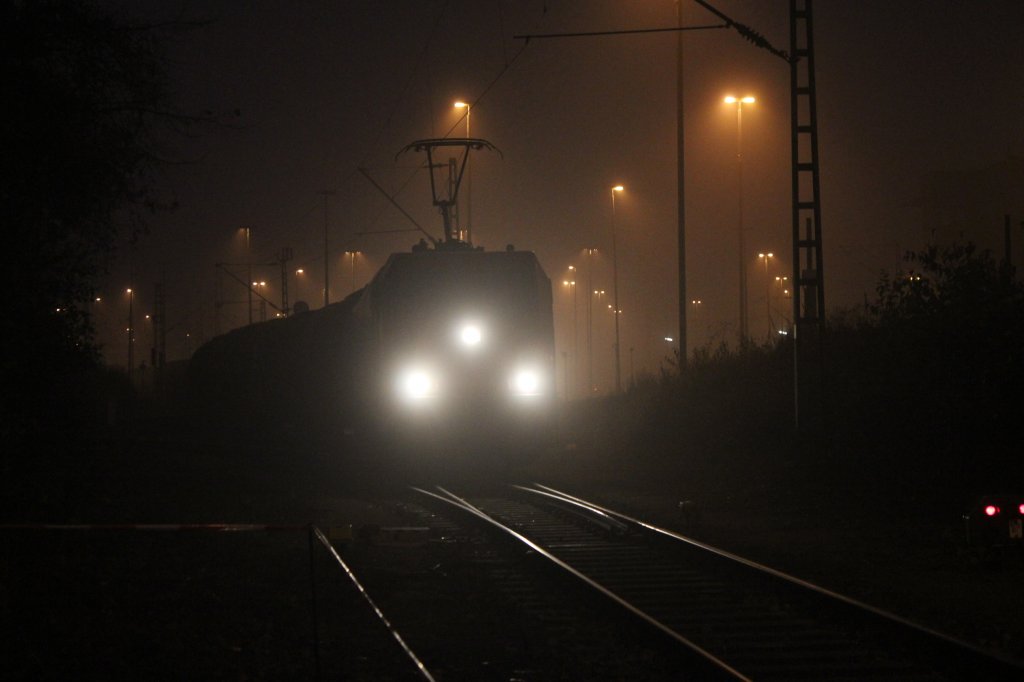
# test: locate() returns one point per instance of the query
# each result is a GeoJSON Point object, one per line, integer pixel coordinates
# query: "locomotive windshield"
{"type": "Point", "coordinates": [421, 292]}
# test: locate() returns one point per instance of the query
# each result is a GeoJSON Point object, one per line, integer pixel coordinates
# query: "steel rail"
{"type": "Point", "coordinates": [587, 512]}
{"type": "Point", "coordinates": [211, 527]}
{"type": "Point", "coordinates": [706, 656]}
{"type": "Point", "coordinates": [1002, 664]}
{"type": "Point", "coordinates": [373, 605]}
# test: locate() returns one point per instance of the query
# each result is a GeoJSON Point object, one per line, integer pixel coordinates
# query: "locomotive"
{"type": "Point", "coordinates": [460, 344]}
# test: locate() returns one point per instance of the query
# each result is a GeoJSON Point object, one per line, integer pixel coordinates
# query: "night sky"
{"type": "Point", "coordinates": [905, 90]}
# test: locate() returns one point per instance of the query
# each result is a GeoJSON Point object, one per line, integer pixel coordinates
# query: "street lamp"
{"type": "Point", "coordinates": [767, 289]}
{"type": "Point", "coordinates": [327, 263]}
{"type": "Point", "coordinates": [469, 175]}
{"type": "Point", "coordinates": [739, 102]}
{"type": "Point", "coordinates": [615, 294]}
{"type": "Point", "coordinates": [248, 265]}
{"type": "Point", "coordinates": [131, 332]}
{"type": "Point", "coordinates": [575, 346]}
{"type": "Point", "coordinates": [352, 256]}
{"type": "Point", "coordinates": [590, 319]}
{"type": "Point", "coordinates": [783, 283]}
{"type": "Point", "coordinates": [263, 299]}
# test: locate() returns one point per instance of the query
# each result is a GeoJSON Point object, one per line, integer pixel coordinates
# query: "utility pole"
{"type": "Point", "coordinates": [131, 333]}
{"type": "Point", "coordinates": [283, 257]}
{"type": "Point", "coordinates": [159, 355]}
{"type": "Point", "coordinates": [590, 321]}
{"type": "Point", "coordinates": [680, 186]}
{"type": "Point", "coordinates": [808, 273]}
{"type": "Point", "coordinates": [248, 263]}
{"type": "Point", "coordinates": [218, 301]}
{"type": "Point", "coordinates": [327, 261]}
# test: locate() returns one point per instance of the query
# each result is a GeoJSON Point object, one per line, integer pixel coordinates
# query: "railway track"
{"type": "Point", "coordinates": [668, 606]}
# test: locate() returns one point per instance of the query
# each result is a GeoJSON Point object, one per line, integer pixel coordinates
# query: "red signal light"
{"type": "Point", "coordinates": [992, 510]}
{"type": "Point", "coordinates": [1021, 509]}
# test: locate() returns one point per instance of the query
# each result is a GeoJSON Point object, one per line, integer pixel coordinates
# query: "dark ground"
{"type": "Point", "coordinates": [229, 606]}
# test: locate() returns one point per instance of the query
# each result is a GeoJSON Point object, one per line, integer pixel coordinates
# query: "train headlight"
{"type": "Point", "coordinates": [470, 335]}
{"type": "Point", "coordinates": [526, 381]}
{"type": "Point", "coordinates": [417, 384]}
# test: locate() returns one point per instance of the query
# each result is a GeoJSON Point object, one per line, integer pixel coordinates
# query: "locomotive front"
{"type": "Point", "coordinates": [464, 342]}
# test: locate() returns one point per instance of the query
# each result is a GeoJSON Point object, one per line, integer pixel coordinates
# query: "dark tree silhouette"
{"type": "Point", "coordinates": [86, 100]}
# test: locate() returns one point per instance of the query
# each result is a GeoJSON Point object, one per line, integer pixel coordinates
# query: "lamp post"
{"type": "Point", "coordinates": [352, 256]}
{"type": "Point", "coordinates": [739, 102]}
{"type": "Point", "coordinates": [783, 283]}
{"type": "Point", "coordinates": [327, 261]}
{"type": "Point", "coordinates": [590, 319]}
{"type": "Point", "coordinates": [697, 304]}
{"type": "Point", "coordinates": [248, 266]}
{"type": "Point", "coordinates": [599, 295]}
{"type": "Point", "coordinates": [263, 299]}
{"type": "Point", "coordinates": [767, 289]}
{"type": "Point", "coordinates": [469, 175]}
{"type": "Point", "coordinates": [615, 295]}
{"type": "Point", "coordinates": [131, 332]}
{"type": "Point", "coordinates": [575, 346]}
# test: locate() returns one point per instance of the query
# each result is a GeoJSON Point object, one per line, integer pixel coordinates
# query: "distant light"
{"type": "Point", "coordinates": [526, 382]}
{"type": "Point", "coordinates": [572, 267]}
{"type": "Point", "coordinates": [299, 271]}
{"type": "Point", "coordinates": [730, 99]}
{"type": "Point", "coordinates": [1021, 509]}
{"type": "Point", "coordinates": [992, 510]}
{"type": "Point", "coordinates": [618, 188]}
{"type": "Point", "coordinates": [127, 291]}
{"type": "Point", "coordinates": [470, 335]}
{"type": "Point", "coordinates": [98, 299]}
{"type": "Point", "coordinates": [669, 339]}
{"type": "Point", "coordinates": [745, 100]}
{"type": "Point", "coordinates": [416, 384]}
{"type": "Point", "coordinates": [460, 105]}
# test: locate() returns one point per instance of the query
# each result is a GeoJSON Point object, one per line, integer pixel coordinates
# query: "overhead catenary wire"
{"type": "Point", "coordinates": [398, 101]}
{"type": "Point", "coordinates": [295, 229]}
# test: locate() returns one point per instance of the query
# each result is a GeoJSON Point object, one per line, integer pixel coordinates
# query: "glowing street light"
{"type": "Point", "coordinates": [352, 260]}
{"type": "Point", "coordinates": [248, 263]}
{"type": "Point", "coordinates": [739, 102]}
{"type": "Point", "coordinates": [767, 289]}
{"type": "Point", "coordinates": [571, 283]}
{"type": "Point", "coordinates": [590, 319]}
{"type": "Point", "coordinates": [469, 174]}
{"type": "Point", "coordinates": [615, 294]}
{"type": "Point", "coordinates": [131, 331]}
